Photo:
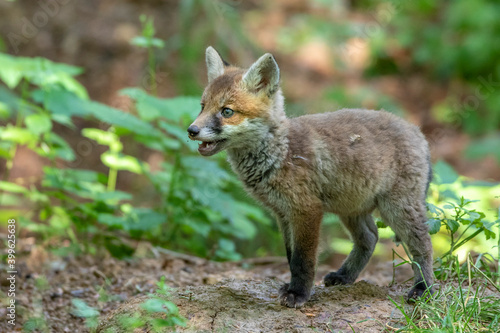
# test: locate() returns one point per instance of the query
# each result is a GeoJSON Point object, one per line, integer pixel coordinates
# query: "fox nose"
{"type": "Point", "coordinates": [193, 130]}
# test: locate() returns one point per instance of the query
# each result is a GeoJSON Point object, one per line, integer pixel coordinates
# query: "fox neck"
{"type": "Point", "coordinates": [266, 152]}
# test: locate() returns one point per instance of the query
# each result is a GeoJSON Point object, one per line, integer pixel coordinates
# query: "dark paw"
{"type": "Point", "coordinates": [419, 290]}
{"type": "Point", "coordinates": [290, 298]}
{"type": "Point", "coordinates": [334, 278]}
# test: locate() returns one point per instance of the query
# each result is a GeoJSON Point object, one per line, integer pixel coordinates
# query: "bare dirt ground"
{"type": "Point", "coordinates": [214, 297]}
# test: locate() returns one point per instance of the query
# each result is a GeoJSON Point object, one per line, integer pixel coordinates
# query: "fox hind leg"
{"type": "Point", "coordinates": [364, 235]}
{"type": "Point", "coordinates": [407, 220]}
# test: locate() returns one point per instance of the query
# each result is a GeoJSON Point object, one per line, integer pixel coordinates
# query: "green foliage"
{"type": "Point", "coordinates": [194, 204]}
{"type": "Point", "coordinates": [82, 310]}
{"type": "Point", "coordinates": [160, 305]}
{"type": "Point", "coordinates": [469, 306]}
{"type": "Point", "coordinates": [438, 40]}
{"type": "Point", "coordinates": [461, 226]}
{"type": "Point", "coordinates": [158, 313]}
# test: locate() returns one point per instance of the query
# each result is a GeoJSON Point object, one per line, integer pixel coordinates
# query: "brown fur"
{"type": "Point", "coordinates": [348, 162]}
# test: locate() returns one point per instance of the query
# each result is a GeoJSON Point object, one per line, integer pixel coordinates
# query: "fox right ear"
{"type": "Point", "coordinates": [215, 63]}
{"type": "Point", "coordinates": [263, 75]}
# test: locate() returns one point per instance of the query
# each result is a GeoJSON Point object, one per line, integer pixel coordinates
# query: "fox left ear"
{"type": "Point", "coordinates": [263, 75]}
{"type": "Point", "coordinates": [215, 63]}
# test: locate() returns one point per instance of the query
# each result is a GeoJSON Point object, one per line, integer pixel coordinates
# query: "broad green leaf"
{"type": "Point", "coordinates": [111, 220]}
{"type": "Point", "coordinates": [183, 108]}
{"type": "Point", "coordinates": [434, 226]}
{"type": "Point", "coordinates": [145, 219]}
{"type": "Point", "coordinates": [434, 209]}
{"type": "Point", "coordinates": [138, 219]}
{"type": "Point", "coordinates": [63, 120]}
{"type": "Point", "coordinates": [41, 72]}
{"type": "Point", "coordinates": [38, 123]}
{"type": "Point", "coordinates": [13, 188]}
{"type": "Point", "coordinates": [63, 102]}
{"type": "Point", "coordinates": [452, 224]}
{"type": "Point", "coordinates": [115, 195]}
{"type": "Point", "coordinates": [154, 305]}
{"type": "Point", "coordinates": [4, 110]}
{"type": "Point", "coordinates": [105, 138]}
{"type": "Point", "coordinates": [19, 135]}
{"type": "Point", "coordinates": [60, 219]}
{"type": "Point", "coordinates": [121, 162]}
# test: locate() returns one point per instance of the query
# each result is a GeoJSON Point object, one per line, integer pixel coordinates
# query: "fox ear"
{"type": "Point", "coordinates": [263, 75]}
{"type": "Point", "coordinates": [215, 63]}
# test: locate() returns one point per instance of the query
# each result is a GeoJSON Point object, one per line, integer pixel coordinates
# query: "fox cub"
{"type": "Point", "coordinates": [348, 162]}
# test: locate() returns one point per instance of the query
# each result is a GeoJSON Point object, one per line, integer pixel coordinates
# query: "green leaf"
{"type": "Point", "coordinates": [105, 138]}
{"type": "Point", "coordinates": [82, 310]}
{"type": "Point", "coordinates": [58, 148]}
{"type": "Point", "coordinates": [4, 110]}
{"type": "Point", "coordinates": [60, 219]}
{"type": "Point", "coordinates": [227, 250]}
{"type": "Point", "coordinates": [117, 248]}
{"type": "Point", "coordinates": [113, 196]}
{"type": "Point", "coordinates": [18, 135]}
{"type": "Point", "coordinates": [145, 219]}
{"type": "Point", "coordinates": [38, 123]}
{"type": "Point", "coordinates": [434, 209]}
{"type": "Point", "coordinates": [182, 108]}
{"type": "Point", "coordinates": [13, 188]}
{"type": "Point", "coordinates": [63, 120]}
{"type": "Point", "coordinates": [63, 102]}
{"type": "Point", "coordinates": [434, 226]}
{"type": "Point", "coordinates": [121, 162]}
{"type": "Point", "coordinates": [41, 72]}
{"type": "Point", "coordinates": [111, 220]}
{"type": "Point", "coordinates": [154, 305]}
{"type": "Point", "coordinates": [138, 219]}
{"type": "Point", "coordinates": [145, 42]}
{"type": "Point", "coordinates": [453, 225]}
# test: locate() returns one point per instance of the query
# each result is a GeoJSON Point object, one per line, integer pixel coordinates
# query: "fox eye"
{"type": "Point", "coordinates": [227, 112]}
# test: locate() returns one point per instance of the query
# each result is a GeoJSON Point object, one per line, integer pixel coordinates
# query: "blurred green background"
{"type": "Point", "coordinates": [95, 97]}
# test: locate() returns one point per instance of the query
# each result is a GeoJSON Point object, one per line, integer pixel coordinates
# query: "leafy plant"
{"type": "Point", "coordinates": [457, 226]}
{"type": "Point", "coordinates": [437, 40]}
{"type": "Point", "coordinates": [197, 206]}
{"type": "Point", "coordinates": [148, 41]}
{"type": "Point", "coordinates": [159, 304]}
{"type": "Point", "coordinates": [82, 310]}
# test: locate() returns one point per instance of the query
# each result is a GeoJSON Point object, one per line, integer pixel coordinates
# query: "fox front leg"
{"type": "Point", "coordinates": [301, 243]}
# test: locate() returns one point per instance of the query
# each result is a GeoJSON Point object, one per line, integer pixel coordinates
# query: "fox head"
{"type": "Point", "coordinates": [238, 107]}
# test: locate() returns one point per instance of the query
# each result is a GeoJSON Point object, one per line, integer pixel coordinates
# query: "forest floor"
{"type": "Point", "coordinates": [213, 296]}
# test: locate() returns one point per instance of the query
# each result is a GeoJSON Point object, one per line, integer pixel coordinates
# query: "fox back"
{"type": "Point", "coordinates": [348, 162]}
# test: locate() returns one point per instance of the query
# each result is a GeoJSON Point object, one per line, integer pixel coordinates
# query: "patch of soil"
{"type": "Point", "coordinates": [234, 305]}
{"type": "Point", "coordinates": [218, 297]}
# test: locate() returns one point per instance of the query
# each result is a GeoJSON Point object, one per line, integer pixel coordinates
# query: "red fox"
{"type": "Point", "coordinates": [348, 162]}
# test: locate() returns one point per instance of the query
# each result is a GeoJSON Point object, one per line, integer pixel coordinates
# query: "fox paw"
{"type": "Point", "coordinates": [419, 291]}
{"type": "Point", "coordinates": [334, 278]}
{"type": "Point", "coordinates": [292, 299]}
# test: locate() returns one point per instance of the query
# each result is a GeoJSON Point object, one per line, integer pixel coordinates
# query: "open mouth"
{"type": "Point", "coordinates": [207, 148]}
